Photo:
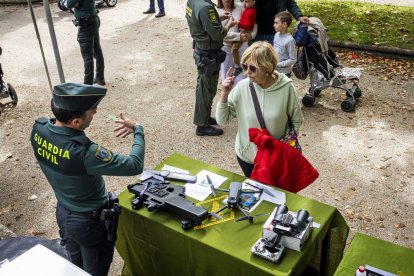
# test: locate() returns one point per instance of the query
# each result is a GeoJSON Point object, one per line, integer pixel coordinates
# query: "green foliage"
{"type": "Point", "coordinates": [364, 23]}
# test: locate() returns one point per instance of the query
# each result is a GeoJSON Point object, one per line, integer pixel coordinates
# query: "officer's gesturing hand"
{"type": "Point", "coordinates": [125, 127]}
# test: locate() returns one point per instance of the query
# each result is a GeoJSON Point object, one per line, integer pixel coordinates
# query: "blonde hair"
{"type": "Point", "coordinates": [262, 55]}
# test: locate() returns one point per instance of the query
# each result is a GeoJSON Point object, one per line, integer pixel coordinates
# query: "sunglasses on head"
{"type": "Point", "coordinates": [252, 68]}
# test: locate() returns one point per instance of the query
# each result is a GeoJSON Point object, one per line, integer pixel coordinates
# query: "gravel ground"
{"type": "Point", "coordinates": [365, 158]}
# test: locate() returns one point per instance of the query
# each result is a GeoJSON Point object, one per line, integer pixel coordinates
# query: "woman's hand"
{"type": "Point", "coordinates": [126, 126]}
{"type": "Point", "coordinates": [227, 85]}
{"type": "Point", "coordinates": [304, 19]}
{"type": "Point", "coordinates": [245, 37]}
{"type": "Point", "coordinates": [230, 23]}
{"type": "Point", "coordinates": [225, 16]}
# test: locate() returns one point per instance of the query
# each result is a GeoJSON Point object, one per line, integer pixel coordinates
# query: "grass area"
{"type": "Point", "coordinates": [364, 23]}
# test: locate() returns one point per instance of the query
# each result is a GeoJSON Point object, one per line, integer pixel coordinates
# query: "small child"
{"type": "Point", "coordinates": [245, 25]}
{"type": "Point", "coordinates": [284, 43]}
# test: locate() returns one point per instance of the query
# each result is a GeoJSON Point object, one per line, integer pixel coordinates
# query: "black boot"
{"type": "Point", "coordinates": [160, 14]}
{"type": "Point", "coordinates": [149, 11]}
{"type": "Point", "coordinates": [212, 121]}
{"type": "Point", "coordinates": [208, 131]}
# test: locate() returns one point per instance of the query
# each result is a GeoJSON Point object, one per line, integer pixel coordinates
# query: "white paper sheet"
{"type": "Point", "coordinates": [174, 169]}
{"type": "Point", "coordinates": [148, 174]}
{"type": "Point", "coordinates": [40, 261]}
{"type": "Point", "coordinates": [201, 189]}
{"type": "Point", "coordinates": [269, 194]}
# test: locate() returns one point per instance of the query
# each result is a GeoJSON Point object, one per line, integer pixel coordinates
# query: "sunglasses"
{"type": "Point", "coordinates": [252, 68]}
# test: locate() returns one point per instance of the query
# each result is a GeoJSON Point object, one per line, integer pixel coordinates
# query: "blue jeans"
{"type": "Point", "coordinates": [86, 241]}
{"type": "Point", "coordinates": [160, 5]}
{"type": "Point", "coordinates": [88, 38]}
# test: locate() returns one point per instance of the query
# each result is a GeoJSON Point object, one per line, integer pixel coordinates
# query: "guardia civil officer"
{"type": "Point", "coordinates": [74, 165]}
{"type": "Point", "coordinates": [88, 23]}
{"type": "Point", "coordinates": [208, 34]}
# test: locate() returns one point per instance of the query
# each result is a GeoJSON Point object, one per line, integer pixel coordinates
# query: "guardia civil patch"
{"type": "Point", "coordinates": [212, 15]}
{"type": "Point", "coordinates": [103, 154]}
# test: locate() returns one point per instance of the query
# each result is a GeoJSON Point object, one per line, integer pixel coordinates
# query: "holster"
{"type": "Point", "coordinates": [205, 64]}
{"type": "Point", "coordinates": [109, 216]}
{"type": "Point", "coordinates": [83, 21]}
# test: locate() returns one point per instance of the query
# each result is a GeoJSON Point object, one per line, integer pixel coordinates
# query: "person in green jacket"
{"type": "Point", "coordinates": [208, 34]}
{"type": "Point", "coordinates": [88, 23]}
{"type": "Point", "coordinates": [74, 165]}
{"type": "Point", "coordinates": [277, 99]}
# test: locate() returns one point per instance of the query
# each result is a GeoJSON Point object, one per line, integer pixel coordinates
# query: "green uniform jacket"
{"type": "Point", "coordinates": [74, 165]}
{"type": "Point", "coordinates": [84, 8]}
{"type": "Point", "coordinates": [205, 26]}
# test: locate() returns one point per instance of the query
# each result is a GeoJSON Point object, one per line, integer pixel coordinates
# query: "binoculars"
{"type": "Point", "coordinates": [285, 224]}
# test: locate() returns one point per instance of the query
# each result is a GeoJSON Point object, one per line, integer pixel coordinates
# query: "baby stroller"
{"type": "Point", "coordinates": [317, 60]}
{"type": "Point", "coordinates": [7, 90]}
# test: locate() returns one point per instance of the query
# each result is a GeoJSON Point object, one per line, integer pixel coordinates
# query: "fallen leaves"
{"type": "Point", "coordinates": [385, 68]}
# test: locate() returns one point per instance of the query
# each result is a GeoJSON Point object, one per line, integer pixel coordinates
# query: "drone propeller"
{"type": "Point", "coordinates": [212, 188]}
{"type": "Point", "coordinates": [215, 214]}
{"type": "Point", "coordinates": [247, 217]}
{"type": "Point", "coordinates": [266, 191]}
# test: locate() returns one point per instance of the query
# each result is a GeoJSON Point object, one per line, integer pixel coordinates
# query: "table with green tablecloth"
{"type": "Point", "coordinates": [153, 243]}
{"type": "Point", "coordinates": [366, 250]}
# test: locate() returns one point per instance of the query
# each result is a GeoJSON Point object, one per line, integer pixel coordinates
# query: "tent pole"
{"type": "Point", "coordinates": [29, 2]}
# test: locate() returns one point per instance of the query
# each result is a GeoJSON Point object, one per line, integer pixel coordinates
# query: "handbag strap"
{"type": "Point", "coordinates": [257, 106]}
{"type": "Point", "coordinates": [259, 111]}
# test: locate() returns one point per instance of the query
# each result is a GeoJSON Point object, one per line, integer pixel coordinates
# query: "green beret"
{"type": "Point", "coordinates": [77, 96]}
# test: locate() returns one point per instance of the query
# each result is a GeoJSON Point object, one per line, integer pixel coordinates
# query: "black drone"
{"type": "Point", "coordinates": [235, 199]}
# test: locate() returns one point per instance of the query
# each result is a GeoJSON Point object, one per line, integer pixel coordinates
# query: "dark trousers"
{"type": "Point", "coordinates": [247, 168]}
{"type": "Point", "coordinates": [264, 37]}
{"type": "Point", "coordinates": [86, 241]}
{"type": "Point", "coordinates": [206, 90]}
{"type": "Point", "coordinates": [160, 5]}
{"type": "Point", "coordinates": [88, 38]}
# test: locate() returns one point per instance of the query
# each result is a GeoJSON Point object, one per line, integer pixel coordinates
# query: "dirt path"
{"type": "Point", "coordinates": [365, 159]}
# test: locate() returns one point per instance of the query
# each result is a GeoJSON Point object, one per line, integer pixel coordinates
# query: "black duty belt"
{"type": "Point", "coordinates": [90, 214]}
{"type": "Point", "coordinates": [206, 53]}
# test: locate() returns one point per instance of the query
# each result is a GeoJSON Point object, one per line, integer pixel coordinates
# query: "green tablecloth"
{"type": "Point", "coordinates": [377, 253]}
{"type": "Point", "coordinates": [155, 244]}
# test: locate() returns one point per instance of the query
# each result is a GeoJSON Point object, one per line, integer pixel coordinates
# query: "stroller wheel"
{"type": "Point", "coordinates": [12, 93]}
{"type": "Point", "coordinates": [316, 92]}
{"type": "Point", "coordinates": [358, 93]}
{"type": "Point", "coordinates": [61, 6]}
{"type": "Point", "coordinates": [111, 3]}
{"type": "Point", "coordinates": [308, 100]}
{"type": "Point", "coordinates": [348, 105]}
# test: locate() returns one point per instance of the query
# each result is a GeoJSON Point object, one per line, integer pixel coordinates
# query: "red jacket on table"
{"type": "Point", "coordinates": [247, 19]}
{"type": "Point", "coordinates": [279, 164]}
